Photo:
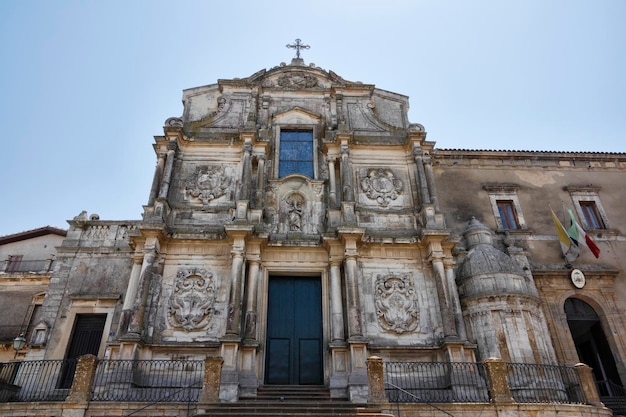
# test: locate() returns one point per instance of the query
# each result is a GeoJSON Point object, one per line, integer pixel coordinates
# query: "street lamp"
{"type": "Point", "coordinates": [19, 343]}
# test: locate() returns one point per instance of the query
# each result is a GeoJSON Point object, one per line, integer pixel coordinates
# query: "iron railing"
{"type": "Point", "coordinates": [532, 383]}
{"type": "Point", "coordinates": [608, 388]}
{"type": "Point", "coordinates": [148, 380]}
{"type": "Point", "coordinates": [39, 265]}
{"type": "Point", "coordinates": [438, 382]}
{"type": "Point", "coordinates": [35, 380]}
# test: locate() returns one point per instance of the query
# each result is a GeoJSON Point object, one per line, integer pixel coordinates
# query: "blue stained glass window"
{"type": "Point", "coordinates": [296, 153]}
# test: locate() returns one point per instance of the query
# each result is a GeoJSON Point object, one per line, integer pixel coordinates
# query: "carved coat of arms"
{"type": "Point", "coordinates": [193, 299]}
{"type": "Point", "coordinates": [208, 183]}
{"type": "Point", "coordinates": [396, 303]}
{"type": "Point", "coordinates": [381, 185]}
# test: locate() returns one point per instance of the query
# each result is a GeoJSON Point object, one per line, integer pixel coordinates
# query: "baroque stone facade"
{"type": "Point", "coordinates": [298, 218]}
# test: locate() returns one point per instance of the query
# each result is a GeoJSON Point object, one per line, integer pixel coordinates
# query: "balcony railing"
{"type": "Point", "coordinates": [38, 265]}
{"type": "Point", "coordinates": [531, 383]}
{"type": "Point", "coordinates": [439, 382]}
{"type": "Point", "coordinates": [158, 381]}
{"type": "Point", "coordinates": [35, 380]}
{"type": "Point", "coordinates": [148, 380]}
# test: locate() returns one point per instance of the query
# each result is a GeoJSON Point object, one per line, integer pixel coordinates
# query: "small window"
{"type": "Point", "coordinates": [296, 153]}
{"type": "Point", "coordinates": [507, 214]}
{"type": "Point", "coordinates": [588, 206]}
{"type": "Point", "coordinates": [506, 206]}
{"type": "Point", "coordinates": [591, 215]}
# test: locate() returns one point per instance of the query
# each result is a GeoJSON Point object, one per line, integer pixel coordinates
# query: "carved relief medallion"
{"type": "Point", "coordinates": [207, 183]}
{"type": "Point", "coordinates": [381, 185]}
{"type": "Point", "coordinates": [396, 303]}
{"type": "Point", "coordinates": [297, 80]}
{"type": "Point", "coordinates": [192, 300]}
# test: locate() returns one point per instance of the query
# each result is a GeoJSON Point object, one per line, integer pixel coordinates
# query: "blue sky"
{"type": "Point", "coordinates": [85, 85]}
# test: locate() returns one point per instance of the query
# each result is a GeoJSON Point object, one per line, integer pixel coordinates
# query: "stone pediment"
{"type": "Point", "coordinates": [296, 115]}
{"type": "Point", "coordinates": [297, 77]}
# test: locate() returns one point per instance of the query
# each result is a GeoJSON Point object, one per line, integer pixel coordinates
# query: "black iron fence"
{"type": "Point", "coordinates": [435, 382]}
{"type": "Point", "coordinates": [148, 380]}
{"type": "Point", "coordinates": [34, 380]}
{"type": "Point", "coordinates": [532, 383]}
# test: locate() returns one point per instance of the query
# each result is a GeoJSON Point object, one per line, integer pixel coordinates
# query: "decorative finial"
{"type": "Point", "coordinates": [297, 46]}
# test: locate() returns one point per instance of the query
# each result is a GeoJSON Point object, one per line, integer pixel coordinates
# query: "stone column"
{"type": "Point", "coordinates": [260, 180]}
{"type": "Point", "coordinates": [156, 180]}
{"type": "Point", "coordinates": [246, 174]}
{"type": "Point", "coordinates": [354, 311]}
{"type": "Point", "coordinates": [336, 304]}
{"type": "Point", "coordinates": [376, 380]}
{"type": "Point", "coordinates": [211, 382]}
{"type": "Point", "coordinates": [234, 304]}
{"type": "Point", "coordinates": [588, 385]}
{"type": "Point", "coordinates": [139, 304]}
{"type": "Point", "coordinates": [346, 174]}
{"type": "Point", "coordinates": [421, 177]}
{"type": "Point", "coordinates": [455, 303]}
{"type": "Point", "coordinates": [332, 182]}
{"type": "Point", "coordinates": [131, 293]}
{"type": "Point", "coordinates": [167, 175]}
{"type": "Point", "coordinates": [430, 182]}
{"type": "Point", "coordinates": [445, 302]}
{"type": "Point", "coordinates": [251, 300]}
{"type": "Point", "coordinates": [499, 390]}
{"type": "Point", "coordinates": [83, 379]}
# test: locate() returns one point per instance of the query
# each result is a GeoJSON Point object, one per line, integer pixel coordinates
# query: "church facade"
{"type": "Point", "coordinates": [299, 224]}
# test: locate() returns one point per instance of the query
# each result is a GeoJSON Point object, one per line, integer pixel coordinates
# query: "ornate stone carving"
{"type": "Point", "coordinates": [297, 80]}
{"type": "Point", "coordinates": [221, 102]}
{"type": "Point", "coordinates": [396, 303]}
{"type": "Point", "coordinates": [207, 183]}
{"type": "Point", "coordinates": [174, 122]}
{"type": "Point", "coordinates": [381, 185]}
{"type": "Point", "coordinates": [295, 203]}
{"type": "Point", "coordinates": [192, 300]}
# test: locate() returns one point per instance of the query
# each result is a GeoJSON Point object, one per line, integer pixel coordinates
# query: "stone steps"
{"type": "Point", "coordinates": [293, 393]}
{"type": "Point", "coordinates": [292, 401]}
{"type": "Point", "coordinates": [300, 409]}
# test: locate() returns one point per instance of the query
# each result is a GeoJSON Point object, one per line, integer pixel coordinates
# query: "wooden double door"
{"type": "Point", "coordinates": [294, 331]}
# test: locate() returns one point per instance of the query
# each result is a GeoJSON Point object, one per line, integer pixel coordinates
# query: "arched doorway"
{"type": "Point", "coordinates": [592, 346]}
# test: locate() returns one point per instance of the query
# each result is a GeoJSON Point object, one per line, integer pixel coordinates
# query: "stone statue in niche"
{"type": "Point", "coordinates": [193, 299]}
{"type": "Point", "coordinates": [207, 183]}
{"type": "Point", "coordinates": [396, 303]}
{"type": "Point", "coordinates": [295, 203]}
{"type": "Point", "coordinates": [381, 185]}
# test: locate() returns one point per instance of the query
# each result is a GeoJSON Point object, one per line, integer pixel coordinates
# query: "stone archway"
{"type": "Point", "coordinates": [592, 345]}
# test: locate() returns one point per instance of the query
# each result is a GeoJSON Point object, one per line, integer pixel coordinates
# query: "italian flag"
{"type": "Point", "coordinates": [578, 235]}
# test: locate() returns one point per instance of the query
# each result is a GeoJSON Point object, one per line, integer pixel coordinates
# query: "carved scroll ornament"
{"type": "Point", "coordinates": [193, 299]}
{"type": "Point", "coordinates": [381, 185]}
{"type": "Point", "coordinates": [396, 303]}
{"type": "Point", "coordinates": [208, 183]}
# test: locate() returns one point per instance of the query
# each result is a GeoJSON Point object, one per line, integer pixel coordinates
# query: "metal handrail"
{"type": "Point", "coordinates": [417, 398]}
{"type": "Point", "coordinates": [160, 400]}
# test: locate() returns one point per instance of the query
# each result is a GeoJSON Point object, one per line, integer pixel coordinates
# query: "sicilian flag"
{"type": "Point", "coordinates": [569, 248]}
{"type": "Point", "coordinates": [579, 235]}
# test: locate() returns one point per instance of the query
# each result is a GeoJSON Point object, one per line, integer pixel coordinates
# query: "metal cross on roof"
{"type": "Point", "coordinates": [297, 46]}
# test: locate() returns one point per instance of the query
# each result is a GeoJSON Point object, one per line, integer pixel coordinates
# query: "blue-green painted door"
{"type": "Point", "coordinates": [294, 331]}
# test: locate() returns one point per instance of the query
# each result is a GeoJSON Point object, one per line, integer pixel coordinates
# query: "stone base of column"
{"type": "Point", "coordinates": [340, 367]}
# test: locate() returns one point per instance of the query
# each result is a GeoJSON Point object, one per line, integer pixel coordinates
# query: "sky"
{"type": "Point", "coordinates": [86, 85]}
